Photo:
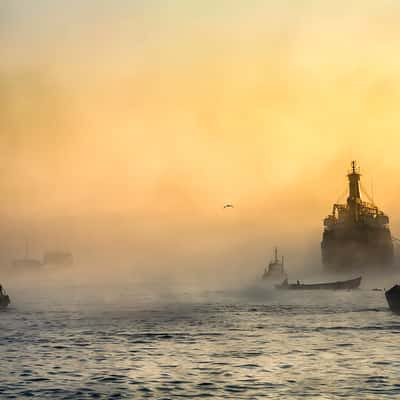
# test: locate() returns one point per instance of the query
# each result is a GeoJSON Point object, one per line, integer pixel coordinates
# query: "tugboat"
{"type": "Point", "coordinates": [356, 235]}
{"type": "Point", "coordinates": [4, 298]}
{"type": "Point", "coordinates": [275, 271]}
{"type": "Point", "coordinates": [393, 298]}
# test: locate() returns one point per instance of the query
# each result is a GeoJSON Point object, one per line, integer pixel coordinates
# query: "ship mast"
{"type": "Point", "coordinates": [354, 199]}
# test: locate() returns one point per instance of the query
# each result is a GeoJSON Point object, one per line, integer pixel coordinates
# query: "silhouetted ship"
{"type": "Point", "coordinates": [50, 259]}
{"type": "Point", "coordinates": [339, 285]}
{"type": "Point", "coordinates": [356, 234]}
{"type": "Point", "coordinates": [275, 271]}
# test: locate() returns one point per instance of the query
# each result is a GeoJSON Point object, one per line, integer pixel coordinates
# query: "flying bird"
{"type": "Point", "coordinates": [228, 206]}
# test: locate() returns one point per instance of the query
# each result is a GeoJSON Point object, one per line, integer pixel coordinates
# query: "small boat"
{"type": "Point", "coordinates": [4, 298]}
{"type": "Point", "coordinates": [276, 271]}
{"type": "Point", "coordinates": [339, 285]}
{"type": "Point", "coordinates": [393, 298]}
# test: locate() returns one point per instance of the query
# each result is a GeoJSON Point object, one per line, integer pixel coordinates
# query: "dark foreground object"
{"type": "Point", "coordinates": [393, 298]}
{"type": "Point", "coordinates": [339, 285]}
{"type": "Point", "coordinates": [4, 300]}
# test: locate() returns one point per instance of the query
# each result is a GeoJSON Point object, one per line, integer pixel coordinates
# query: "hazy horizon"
{"type": "Point", "coordinates": [126, 126]}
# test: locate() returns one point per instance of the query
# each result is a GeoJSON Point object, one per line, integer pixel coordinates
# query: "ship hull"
{"type": "Point", "coordinates": [358, 247]}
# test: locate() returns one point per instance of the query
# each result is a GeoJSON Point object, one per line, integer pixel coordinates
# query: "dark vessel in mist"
{"type": "Point", "coordinates": [393, 298]}
{"type": "Point", "coordinates": [4, 298]}
{"type": "Point", "coordinates": [356, 234]}
{"type": "Point", "coordinates": [276, 270]}
{"type": "Point", "coordinates": [50, 259]}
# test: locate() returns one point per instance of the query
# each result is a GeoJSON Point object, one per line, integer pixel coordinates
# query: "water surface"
{"type": "Point", "coordinates": [237, 345]}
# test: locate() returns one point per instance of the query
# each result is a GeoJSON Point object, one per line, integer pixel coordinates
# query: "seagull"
{"type": "Point", "coordinates": [228, 206]}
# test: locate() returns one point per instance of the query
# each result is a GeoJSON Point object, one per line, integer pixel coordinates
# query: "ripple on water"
{"type": "Point", "coordinates": [235, 350]}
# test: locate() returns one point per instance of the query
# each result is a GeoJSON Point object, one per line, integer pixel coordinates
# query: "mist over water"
{"type": "Point", "coordinates": [125, 127]}
{"type": "Point", "coordinates": [133, 342]}
{"type": "Point", "coordinates": [117, 335]}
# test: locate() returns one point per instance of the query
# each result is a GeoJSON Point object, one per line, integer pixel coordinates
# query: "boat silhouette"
{"type": "Point", "coordinates": [4, 298]}
{"type": "Point", "coordinates": [339, 285]}
{"type": "Point", "coordinates": [276, 270]}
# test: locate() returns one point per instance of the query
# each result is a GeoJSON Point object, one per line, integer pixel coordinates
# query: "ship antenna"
{"type": "Point", "coordinates": [354, 191]}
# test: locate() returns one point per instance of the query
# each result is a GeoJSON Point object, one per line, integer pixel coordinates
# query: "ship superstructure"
{"type": "Point", "coordinates": [356, 234]}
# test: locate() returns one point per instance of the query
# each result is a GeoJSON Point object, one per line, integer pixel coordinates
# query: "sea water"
{"type": "Point", "coordinates": [261, 344]}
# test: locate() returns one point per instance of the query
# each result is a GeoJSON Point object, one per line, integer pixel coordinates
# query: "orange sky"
{"type": "Point", "coordinates": [148, 117]}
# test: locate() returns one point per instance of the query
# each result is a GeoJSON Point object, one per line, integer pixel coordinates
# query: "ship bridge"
{"type": "Point", "coordinates": [356, 210]}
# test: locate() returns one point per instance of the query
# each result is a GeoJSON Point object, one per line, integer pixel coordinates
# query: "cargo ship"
{"type": "Point", "coordinates": [356, 235]}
